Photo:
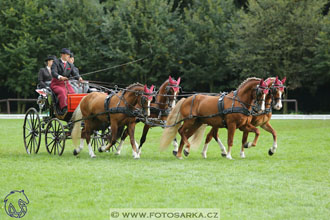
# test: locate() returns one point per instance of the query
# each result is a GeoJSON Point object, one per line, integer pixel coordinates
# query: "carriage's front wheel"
{"type": "Point", "coordinates": [55, 137]}
{"type": "Point", "coordinates": [32, 131]}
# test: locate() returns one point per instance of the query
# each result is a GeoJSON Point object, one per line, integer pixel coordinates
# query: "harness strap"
{"type": "Point", "coordinates": [192, 103]}
{"type": "Point", "coordinates": [107, 102]}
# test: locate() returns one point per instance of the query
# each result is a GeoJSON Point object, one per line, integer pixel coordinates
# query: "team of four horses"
{"type": "Point", "coordinates": [245, 108]}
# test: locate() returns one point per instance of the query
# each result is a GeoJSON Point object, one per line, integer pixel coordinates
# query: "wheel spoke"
{"type": "Point", "coordinates": [56, 147]}
{"type": "Point", "coordinates": [29, 122]}
{"type": "Point", "coordinates": [28, 135]}
{"type": "Point", "coordinates": [52, 142]}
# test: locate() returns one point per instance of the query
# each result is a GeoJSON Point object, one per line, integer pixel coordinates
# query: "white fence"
{"type": "Point", "coordinates": [313, 117]}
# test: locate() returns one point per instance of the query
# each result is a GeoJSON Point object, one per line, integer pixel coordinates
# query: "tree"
{"type": "Point", "coordinates": [277, 38]}
{"type": "Point", "coordinates": [205, 45]}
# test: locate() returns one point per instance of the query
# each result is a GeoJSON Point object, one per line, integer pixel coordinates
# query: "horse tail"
{"type": "Point", "coordinates": [196, 139]}
{"type": "Point", "coordinates": [76, 131]}
{"type": "Point", "coordinates": [170, 132]}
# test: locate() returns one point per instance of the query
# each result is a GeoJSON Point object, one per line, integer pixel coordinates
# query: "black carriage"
{"type": "Point", "coordinates": [54, 124]}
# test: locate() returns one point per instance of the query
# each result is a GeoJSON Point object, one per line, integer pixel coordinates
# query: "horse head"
{"type": "Point", "coordinates": [277, 90]}
{"type": "Point", "coordinates": [261, 93]}
{"type": "Point", "coordinates": [173, 89]}
{"type": "Point", "coordinates": [147, 98]}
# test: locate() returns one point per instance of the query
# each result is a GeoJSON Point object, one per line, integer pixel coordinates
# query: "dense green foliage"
{"type": "Point", "coordinates": [292, 184]}
{"type": "Point", "coordinates": [211, 44]}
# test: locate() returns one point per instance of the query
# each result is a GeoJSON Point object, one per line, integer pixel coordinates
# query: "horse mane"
{"type": "Point", "coordinates": [164, 84]}
{"type": "Point", "coordinates": [246, 81]}
{"type": "Point", "coordinates": [133, 85]}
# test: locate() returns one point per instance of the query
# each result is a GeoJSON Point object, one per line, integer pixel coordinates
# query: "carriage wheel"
{"type": "Point", "coordinates": [55, 137]}
{"type": "Point", "coordinates": [102, 138]}
{"type": "Point", "coordinates": [97, 140]}
{"type": "Point", "coordinates": [32, 131]}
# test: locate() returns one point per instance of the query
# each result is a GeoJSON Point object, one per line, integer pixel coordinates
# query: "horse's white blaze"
{"type": "Point", "coordinates": [149, 107]}
{"type": "Point", "coordinates": [91, 152]}
{"type": "Point", "coordinates": [278, 105]}
{"type": "Point", "coordinates": [222, 147]}
{"type": "Point", "coordinates": [263, 102]}
{"type": "Point", "coordinates": [119, 147]}
{"type": "Point", "coordinates": [174, 98]}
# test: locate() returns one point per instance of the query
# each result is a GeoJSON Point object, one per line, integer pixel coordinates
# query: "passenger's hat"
{"type": "Point", "coordinates": [50, 57]}
{"type": "Point", "coordinates": [71, 54]}
{"type": "Point", "coordinates": [65, 51]}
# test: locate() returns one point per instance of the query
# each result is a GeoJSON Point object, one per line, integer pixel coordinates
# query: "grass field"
{"type": "Point", "coordinates": [292, 184]}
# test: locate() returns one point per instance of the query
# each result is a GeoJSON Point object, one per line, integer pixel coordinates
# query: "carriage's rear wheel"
{"type": "Point", "coordinates": [55, 137]}
{"type": "Point", "coordinates": [32, 131]}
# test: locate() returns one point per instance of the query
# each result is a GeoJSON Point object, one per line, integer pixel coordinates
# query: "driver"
{"type": "Point", "coordinates": [62, 70]}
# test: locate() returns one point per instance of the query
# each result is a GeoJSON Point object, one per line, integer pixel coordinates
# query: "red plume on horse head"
{"type": "Point", "coordinates": [148, 92]}
{"type": "Point", "coordinates": [174, 83]}
{"type": "Point", "coordinates": [263, 86]}
{"type": "Point", "coordinates": [279, 83]}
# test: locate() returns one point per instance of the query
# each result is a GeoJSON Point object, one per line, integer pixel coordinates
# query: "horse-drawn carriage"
{"type": "Point", "coordinates": [58, 126]}
{"type": "Point", "coordinates": [54, 124]}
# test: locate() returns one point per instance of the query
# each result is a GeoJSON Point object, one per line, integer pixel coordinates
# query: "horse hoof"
{"type": "Point", "coordinates": [100, 150]}
{"type": "Point", "coordinates": [204, 155]}
{"type": "Point", "coordinates": [117, 153]}
{"type": "Point", "coordinates": [223, 154]}
{"type": "Point", "coordinates": [93, 156]}
{"type": "Point", "coordinates": [247, 145]}
{"type": "Point", "coordinates": [174, 153]}
{"type": "Point", "coordinates": [186, 153]}
{"type": "Point", "coordinates": [180, 158]}
{"type": "Point", "coordinates": [75, 152]}
{"type": "Point", "coordinates": [270, 153]}
{"type": "Point", "coordinates": [229, 157]}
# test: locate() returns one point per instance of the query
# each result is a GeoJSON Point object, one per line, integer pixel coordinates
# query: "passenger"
{"type": "Point", "coordinates": [45, 74]}
{"type": "Point", "coordinates": [62, 70]}
{"type": "Point", "coordinates": [78, 86]}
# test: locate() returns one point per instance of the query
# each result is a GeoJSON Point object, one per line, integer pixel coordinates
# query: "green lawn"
{"type": "Point", "coordinates": [292, 184]}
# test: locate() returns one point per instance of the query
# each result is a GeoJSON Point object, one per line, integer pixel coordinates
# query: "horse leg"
{"type": "Point", "coordinates": [188, 134]}
{"type": "Point", "coordinates": [244, 143]}
{"type": "Point", "coordinates": [181, 131]}
{"type": "Point", "coordinates": [187, 130]}
{"type": "Point", "coordinates": [144, 136]}
{"type": "Point", "coordinates": [176, 146]}
{"type": "Point", "coordinates": [131, 129]}
{"type": "Point", "coordinates": [230, 133]}
{"type": "Point", "coordinates": [222, 147]}
{"type": "Point", "coordinates": [76, 151]}
{"type": "Point", "coordinates": [122, 139]}
{"type": "Point", "coordinates": [90, 149]}
{"type": "Point", "coordinates": [246, 129]}
{"type": "Point", "coordinates": [114, 130]}
{"type": "Point", "coordinates": [207, 141]}
{"type": "Point", "coordinates": [269, 128]}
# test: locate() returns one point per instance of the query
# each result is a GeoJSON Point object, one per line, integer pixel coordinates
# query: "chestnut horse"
{"type": "Point", "coordinates": [121, 111]}
{"type": "Point", "coordinates": [273, 100]}
{"type": "Point", "coordinates": [165, 99]}
{"type": "Point", "coordinates": [197, 111]}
